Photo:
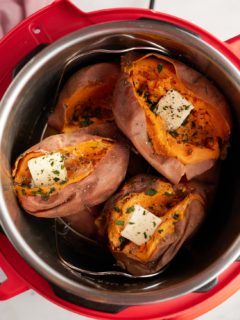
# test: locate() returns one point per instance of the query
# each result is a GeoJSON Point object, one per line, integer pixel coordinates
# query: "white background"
{"type": "Point", "coordinates": [219, 17]}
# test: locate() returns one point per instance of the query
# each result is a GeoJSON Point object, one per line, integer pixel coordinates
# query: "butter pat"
{"type": "Point", "coordinates": [140, 226]}
{"type": "Point", "coordinates": [173, 108]}
{"type": "Point", "coordinates": [48, 169]}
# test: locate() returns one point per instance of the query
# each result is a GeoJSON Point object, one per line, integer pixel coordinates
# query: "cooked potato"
{"type": "Point", "coordinates": [149, 220]}
{"type": "Point", "coordinates": [84, 221]}
{"type": "Point", "coordinates": [173, 115]}
{"type": "Point", "coordinates": [86, 98]}
{"type": "Point", "coordinates": [88, 171]}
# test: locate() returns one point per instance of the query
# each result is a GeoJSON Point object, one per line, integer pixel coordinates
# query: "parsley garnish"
{"type": "Point", "coordinates": [52, 190]}
{"type": "Point", "coordinates": [159, 67]}
{"type": "Point", "coordinates": [119, 222]}
{"type": "Point", "coordinates": [150, 192]}
{"type": "Point", "coordinates": [175, 216]}
{"type": "Point", "coordinates": [168, 193]}
{"type": "Point", "coordinates": [116, 209]}
{"type": "Point", "coordinates": [45, 196]}
{"type": "Point", "coordinates": [130, 209]}
{"type": "Point", "coordinates": [122, 240]}
{"type": "Point", "coordinates": [173, 133]}
{"type": "Point", "coordinates": [86, 122]}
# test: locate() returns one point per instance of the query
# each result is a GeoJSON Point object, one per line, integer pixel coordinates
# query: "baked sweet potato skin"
{"type": "Point", "coordinates": [131, 118]}
{"type": "Point", "coordinates": [89, 89]}
{"type": "Point", "coordinates": [84, 221]}
{"type": "Point", "coordinates": [95, 188]}
{"type": "Point", "coordinates": [163, 246]}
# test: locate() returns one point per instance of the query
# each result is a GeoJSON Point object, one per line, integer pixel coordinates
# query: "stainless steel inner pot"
{"type": "Point", "coordinates": [23, 114]}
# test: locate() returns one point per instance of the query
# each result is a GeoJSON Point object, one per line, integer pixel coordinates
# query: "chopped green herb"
{"type": "Point", "coordinates": [150, 192]}
{"type": "Point", "coordinates": [130, 209]}
{"type": "Point", "coordinates": [154, 223]}
{"type": "Point", "coordinates": [42, 170]}
{"type": "Point", "coordinates": [119, 222]}
{"type": "Point", "coordinates": [153, 106]}
{"type": "Point", "coordinates": [145, 235]}
{"type": "Point", "coordinates": [168, 194]}
{"type": "Point", "coordinates": [52, 190]}
{"type": "Point", "coordinates": [86, 122]}
{"type": "Point", "coordinates": [144, 213]}
{"type": "Point", "coordinates": [56, 172]}
{"type": "Point", "coordinates": [173, 133]}
{"type": "Point", "coordinates": [45, 196]}
{"type": "Point", "coordinates": [63, 182]}
{"type": "Point", "coordinates": [146, 94]}
{"type": "Point", "coordinates": [122, 240]}
{"type": "Point", "coordinates": [159, 67]}
{"type": "Point", "coordinates": [62, 166]}
{"type": "Point", "coordinates": [62, 157]}
{"type": "Point", "coordinates": [116, 209]}
{"type": "Point", "coordinates": [175, 216]}
{"type": "Point", "coordinates": [131, 222]}
{"type": "Point", "coordinates": [56, 179]}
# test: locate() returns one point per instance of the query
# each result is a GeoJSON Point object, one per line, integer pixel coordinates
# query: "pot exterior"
{"type": "Point", "coordinates": [208, 54]}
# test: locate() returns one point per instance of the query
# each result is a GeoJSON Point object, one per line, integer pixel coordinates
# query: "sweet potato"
{"type": "Point", "coordinates": [86, 98]}
{"type": "Point", "coordinates": [181, 208]}
{"type": "Point", "coordinates": [195, 146]}
{"type": "Point", "coordinates": [95, 168]}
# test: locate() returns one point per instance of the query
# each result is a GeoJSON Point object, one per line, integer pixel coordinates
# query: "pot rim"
{"type": "Point", "coordinates": [93, 294]}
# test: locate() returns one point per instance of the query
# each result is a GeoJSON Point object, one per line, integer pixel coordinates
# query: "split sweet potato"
{"type": "Point", "coordinates": [86, 98]}
{"type": "Point", "coordinates": [95, 167]}
{"type": "Point", "coordinates": [198, 143]}
{"type": "Point", "coordinates": [181, 208]}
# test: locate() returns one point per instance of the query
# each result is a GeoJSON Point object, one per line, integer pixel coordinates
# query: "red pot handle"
{"type": "Point", "coordinates": [14, 284]}
{"type": "Point", "coordinates": [44, 27]}
{"type": "Point", "coordinates": [234, 45]}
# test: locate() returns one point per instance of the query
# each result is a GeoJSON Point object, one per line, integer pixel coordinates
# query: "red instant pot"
{"type": "Point", "coordinates": [18, 46]}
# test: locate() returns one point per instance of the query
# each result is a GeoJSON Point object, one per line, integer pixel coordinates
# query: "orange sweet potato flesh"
{"type": "Point", "coordinates": [86, 98]}
{"type": "Point", "coordinates": [79, 161]}
{"type": "Point", "coordinates": [181, 208]}
{"type": "Point", "coordinates": [89, 160]}
{"type": "Point", "coordinates": [196, 145]}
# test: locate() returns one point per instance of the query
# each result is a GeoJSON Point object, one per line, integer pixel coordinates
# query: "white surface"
{"type": "Point", "coordinates": [221, 18]}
